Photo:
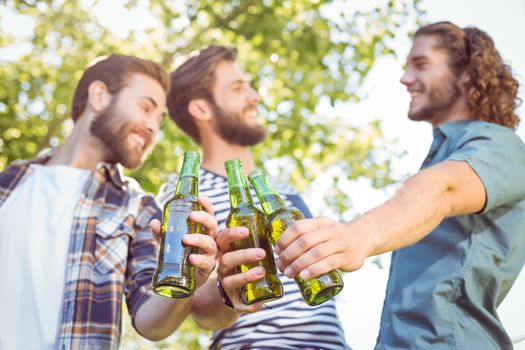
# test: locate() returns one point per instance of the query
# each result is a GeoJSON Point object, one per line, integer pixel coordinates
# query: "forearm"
{"type": "Point", "coordinates": [159, 317]}
{"type": "Point", "coordinates": [419, 206]}
{"type": "Point", "coordinates": [311, 247]}
{"type": "Point", "coordinates": [208, 309]}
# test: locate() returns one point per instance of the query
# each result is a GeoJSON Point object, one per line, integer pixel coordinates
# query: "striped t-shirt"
{"type": "Point", "coordinates": [286, 323]}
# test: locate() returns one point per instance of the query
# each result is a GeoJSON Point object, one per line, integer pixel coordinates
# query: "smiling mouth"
{"type": "Point", "coordinates": [138, 139]}
{"type": "Point", "coordinates": [414, 94]}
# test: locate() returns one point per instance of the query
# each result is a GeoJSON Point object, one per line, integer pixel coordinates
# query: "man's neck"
{"type": "Point", "coordinates": [216, 151]}
{"type": "Point", "coordinates": [457, 112]}
{"type": "Point", "coordinates": [80, 149]}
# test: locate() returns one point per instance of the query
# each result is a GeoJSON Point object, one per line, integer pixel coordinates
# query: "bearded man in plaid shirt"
{"type": "Point", "coordinates": [75, 234]}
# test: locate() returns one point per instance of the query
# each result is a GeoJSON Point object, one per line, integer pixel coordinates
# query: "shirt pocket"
{"type": "Point", "coordinates": [112, 244]}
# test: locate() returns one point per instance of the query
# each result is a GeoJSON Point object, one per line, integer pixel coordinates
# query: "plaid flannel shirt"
{"type": "Point", "coordinates": [111, 252]}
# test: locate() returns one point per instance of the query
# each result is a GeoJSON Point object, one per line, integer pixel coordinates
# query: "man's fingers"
{"type": "Point", "coordinates": [247, 309]}
{"type": "Point", "coordinates": [228, 261]}
{"type": "Point", "coordinates": [203, 262]}
{"type": "Point", "coordinates": [315, 254]}
{"type": "Point", "coordinates": [155, 225]}
{"type": "Point", "coordinates": [234, 282]}
{"type": "Point", "coordinates": [321, 267]}
{"type": "Point", "coordinates": [298, 228]}
{"type": "Point", "coordinates": [307, 242]}
{"type": "Point", "coordinates": [208, 221]}
{"type": "Point", "coordinates": [205, 243]}
{"type": "Point", "coordinates": [226, 236]}
{"type": "Point", "coordinates": [206, 204]}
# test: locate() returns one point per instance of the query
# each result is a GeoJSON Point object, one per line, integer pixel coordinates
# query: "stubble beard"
{"type": "Point", "coordinates": [233, 128]}
{"type": "Point", "coordinates": [440, 99]}
{"type": "Point", "coordinates": [109, 127]}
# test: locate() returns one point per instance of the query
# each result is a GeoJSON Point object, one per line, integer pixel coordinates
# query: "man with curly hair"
{"type": "Point", "coordinates": [457, 227]}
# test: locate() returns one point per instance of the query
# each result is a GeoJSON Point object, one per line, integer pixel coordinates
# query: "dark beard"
{"type": "Point", "coordinates": [108, 127]}
{"type": "Point", "coordinates": [440, 99]}
{"type": "Point", "coordinates": [234, 130]}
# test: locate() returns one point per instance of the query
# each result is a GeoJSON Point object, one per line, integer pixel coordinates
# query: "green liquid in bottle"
{"type": "Point", "coordinates": [244, 213]}
{"type": "Point", "coordinates": [175, 276]}
{"type": "Point", "coordinates": [317, 290]}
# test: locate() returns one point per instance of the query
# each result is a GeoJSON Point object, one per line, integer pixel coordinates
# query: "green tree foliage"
{"type": "Point", "coordinates": [304, 56]}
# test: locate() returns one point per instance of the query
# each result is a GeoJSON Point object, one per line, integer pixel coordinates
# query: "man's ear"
{"type": "Point", "coordinates": [98, 96]}
{"type": "Point", "coordinates": [464, 79]}
{"type": "Point", "coordinates": [200, 109]}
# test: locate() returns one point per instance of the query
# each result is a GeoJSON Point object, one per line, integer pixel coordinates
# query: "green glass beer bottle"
{"type": "Point", "coordinates": [316, 290]}
{"type": "Point", "coordinates": [175, 276]}
{"type": "Point", "coordinates": [244, 213]}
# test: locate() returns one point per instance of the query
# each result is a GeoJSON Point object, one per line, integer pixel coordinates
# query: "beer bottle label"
{"type": "Point", "coordinates": [177, 226]}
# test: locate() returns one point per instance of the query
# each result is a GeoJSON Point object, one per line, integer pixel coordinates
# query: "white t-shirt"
{"type": "Point", "coordinates": [35, 226]}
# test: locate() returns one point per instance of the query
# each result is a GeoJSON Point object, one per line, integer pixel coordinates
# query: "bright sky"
{"type": "Point", "coordinates": [362, 298]}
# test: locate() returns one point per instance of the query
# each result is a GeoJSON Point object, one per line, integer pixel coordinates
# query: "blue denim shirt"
{"type": "Point", "coordinates": [443, 291]}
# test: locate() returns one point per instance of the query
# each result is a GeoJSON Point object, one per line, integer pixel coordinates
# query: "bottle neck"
{"type": "Point", "coordinates": [238, 187]}
{"type": "Point", "coordinates": [188, 183]}
{"type": "Point", "coordinates": [271, 202]}
{"type": "Point", "coordinates": [269, 198]}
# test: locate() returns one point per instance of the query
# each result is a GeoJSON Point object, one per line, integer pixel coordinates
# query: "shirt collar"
{"type": "Point", "coordinates": [114, 172]}
{"type": "Point", "coordinates": [451, 128]}
{"type": "Point", "coordinates": [111, 171]}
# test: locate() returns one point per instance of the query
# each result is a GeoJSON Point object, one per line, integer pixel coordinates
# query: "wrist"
{"type": "Point", "coordinates": [368, 241]}
{"type": "Point", "coordinates": [224, 296]}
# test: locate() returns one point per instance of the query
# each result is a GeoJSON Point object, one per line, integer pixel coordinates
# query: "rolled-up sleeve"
{"type": "Point", "coordinates": [142, 258]}
{"type": "Point", "coordinates": [497, 155]}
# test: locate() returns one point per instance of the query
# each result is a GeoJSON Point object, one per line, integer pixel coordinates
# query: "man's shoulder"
{"type": "Point", "coordinates": [141, 204]}
{"type": "Point", "coordinates": [479, 128]}
{"type": "Point", "coordinates": [136, 190]}
{"type": "Point", "coordinates": [14, 171]}
{"type": "Point", "coordinates": [14, 167]}
{"type": "Point", "coordinates": [18, 164]}
{"type": "Point", "coordinates": [485, 134]}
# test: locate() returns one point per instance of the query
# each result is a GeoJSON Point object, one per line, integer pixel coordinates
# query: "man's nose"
{"type": "Point", "coordinates": [153, 124]}
{"type": "Point", "coordinates": [253, 95]}
{"type": "Point", "coordinates": [407, 78]}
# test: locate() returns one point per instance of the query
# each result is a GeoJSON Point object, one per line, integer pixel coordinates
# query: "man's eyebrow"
{"type": "Point", "coordinates": [237, 81]}
{"type": "Point", "coordinates": [418, 58]}
{"type": "Point", "coordinates": [155, 104]}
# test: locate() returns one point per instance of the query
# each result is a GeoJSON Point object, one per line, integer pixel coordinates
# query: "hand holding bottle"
{"type": "Point", "coordinates": [244, 214]}
{"type": "Point", "coordinates": [205, 260]}
{"type": "Point", "coordinates": [229, 259]}
{"type": "Point", "coordinates": [317, 290]}
{"type": "Point", "coordinates": [311, 247]}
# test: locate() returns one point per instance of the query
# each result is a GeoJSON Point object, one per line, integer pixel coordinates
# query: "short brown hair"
{"type": "Point", "coordinates": [491, 89]}
{"type": "Point", "coordinates": [114, 71]}
{"type": "Point", "coordinates": [192, 80]}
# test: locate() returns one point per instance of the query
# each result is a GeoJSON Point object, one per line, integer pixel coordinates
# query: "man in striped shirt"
{"type": "Point", "coordinates": [212, 101]}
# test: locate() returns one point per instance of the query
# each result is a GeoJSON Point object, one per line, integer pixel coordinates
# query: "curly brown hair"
{"type": "Point", "coordinates": [491, 89]}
